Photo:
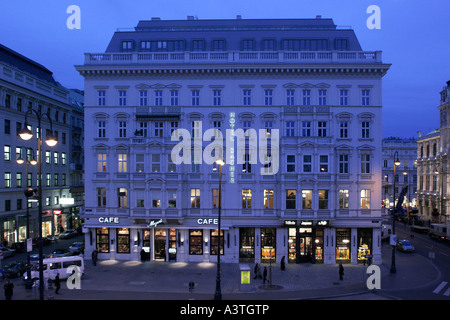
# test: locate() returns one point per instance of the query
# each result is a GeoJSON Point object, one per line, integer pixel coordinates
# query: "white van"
{"type": "Point", "coordinates": [63, 266]}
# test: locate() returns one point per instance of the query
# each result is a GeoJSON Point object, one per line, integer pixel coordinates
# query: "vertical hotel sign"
{"type": "Point", "coordinates": [231, 167]}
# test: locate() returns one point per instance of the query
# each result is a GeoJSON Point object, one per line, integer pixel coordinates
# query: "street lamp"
{"type": "Point", "coordinates": [218, 293]}
{"type": "Point", "coordinates": [394, 214]}
{"type": "Point", "coordinates": [51, 141]}
{"type": "Point", "coordinates": [28, 193]}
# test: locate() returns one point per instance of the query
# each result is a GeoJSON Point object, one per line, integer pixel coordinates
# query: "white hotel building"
{"type": "Point", "coordinates": [305, 77]}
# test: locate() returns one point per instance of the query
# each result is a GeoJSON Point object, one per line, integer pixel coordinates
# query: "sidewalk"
{"type": "Point", "coordinates": [126, 280]}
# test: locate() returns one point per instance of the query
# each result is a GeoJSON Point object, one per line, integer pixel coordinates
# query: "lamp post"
{"type": "Point", "coordinates": [28, 193]}
{"type": "Point", "coordinates": [394, 216]}
{"type": "Point", "coordinates": [218, 293]}
{"type": "Point", "coordinates": [26, 134]}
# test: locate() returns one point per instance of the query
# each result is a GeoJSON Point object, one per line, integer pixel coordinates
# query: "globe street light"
{"type": "Point", "coordinates": [51, 141]}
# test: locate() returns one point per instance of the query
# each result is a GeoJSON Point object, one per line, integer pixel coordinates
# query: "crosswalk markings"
{"type": "Point", "coordinates": [440, 287]}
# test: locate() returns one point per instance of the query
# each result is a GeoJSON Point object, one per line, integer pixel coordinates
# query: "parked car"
{"type": "Point", "coordinates": [405, 246]}
{"type": "Point", "coordinates": [59, 253]}
{"type": "Point", "coordinates": [35, 257]}
{"type": "Point", "coordinates": [14, 269]}
{"type": "Point", "coordinates": [6, 252]}
{"type": "Point", "coordinates": [71, 233]}
{"type": "Point", "coordinates": [77, 247]}
{"type": "Point", "coordinates": [19, 247]}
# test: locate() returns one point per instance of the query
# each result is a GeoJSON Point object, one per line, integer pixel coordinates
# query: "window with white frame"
{"type": "Point", "coordinates": [56, 157]}
{"type": "Point", "coordinates": [101, 197]}
{"type": "Point", "coordinates": [290, 163]}
{"type": "Point", "coordinates": [343, 198]}
{"type": "Point", "coordinates": [63, 158]}
{"type": "Point", "coordinates": [291, 199]}
{"type": "Point", "coordinates": [7, 153]}
{"type": "Point", "coordinates": [365, 199]}
{"type": "Point", "coordinates": [343, 129]}
{"type": "Point", "coordinates": [307, 163]}
{"type": "Point", "coordinates": [171, 167]}
{"type": "Point", "coordinates": [122, 98]}
{"type": "Point", "coordinates": [365, 163]}
{"type": "Point", "coordinates": [195, 98]}
{"type": "Point", "coordinates": [122, 162]}
{"type": "Point", "coordinates": [159, 128]}
{"type": "Point", "coordinates": [322, 97]}
{"type": "Point", "coordinates": [217, 97]}
{"type": "Point", "coordinates": [306, 128]}
{"type": "Point", "coordinates": [247, 97]}
{"type": "Point", "coordinates": [246, 198]}
{"type": "Point", "coordinates": [195, 198]}
{"type": "Point", "coordinates": [140, 162]}
{"type": "Point", "coordinates": [101, 98]}
{"type": "Point", "coordinates": [268, 97]}
{"type": "Point", "coordinates": [122, 197]}
{"type": "Point", "coordinates": [365, 129]}
{"type": "Point", "coordinates": [290, 97]}
{"type": "Point", "coordinates": [174, 97]}
{"type": "Point", "coordinates": [122, 129]}
{"type": "Point", "coordinates": [268, 126]}
{"type": "Point", "coordinates": [323, 163]}
{"type": "Point", "coordinates": [290, 128]}
{"type": "Point", "coordinates": [322, 128]}
{"type": "Point", "coordinates": [268, 198]}
{"type": "Point", "coordinates": [101, 162]}
{"type": "Point", "coordinates": [156, 162]}
{"type": "Point", "coordinates": [143, 101]}
{"type": "Point", "coordinates": [158, 98]}
{"type": "Point", "coordinates": [365, 95]}
{"type": "Point", "coordinates": [306, 101]}
{"type": "Point", "coordinates": [143, 128]}
{"type": "Point", "coordinates": [173, 127]}
{"type": "Point", "coordinates": [323, 199]}
{"type": "Point", "coordinates": [247, 166]}
{"type": "Point", "coordinates": [343, 163]}
{"type": "Point", "coordinates": [343, 97]}
{"type": "Point", "coordinates": [101, 129]}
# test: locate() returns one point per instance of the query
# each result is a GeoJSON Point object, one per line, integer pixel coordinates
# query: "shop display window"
{"type": "Point", "coordinates": [268, 244]}
{"type": "Point", "coordinates": [103, 240]}
{"type": "Point", "coordinates": [246, 243]}
{"type": "Point", "coordinates": [196, 242]}
{"type": "Point", "coordinates": [343, 244]}
{"type": "Point", "coordinates": [214, 242]}
{"type": "Point", "coordinates": [123, 240]}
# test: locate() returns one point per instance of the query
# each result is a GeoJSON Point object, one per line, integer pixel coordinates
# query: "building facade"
{"type": "Point", "coordinates": [26, 84]}
{"type": "Point", "coordinates": [304, 85]}
{"type": "Point", "coordinates": [432, 166]}
{"type": "Point", "coordinates": [405, 150]}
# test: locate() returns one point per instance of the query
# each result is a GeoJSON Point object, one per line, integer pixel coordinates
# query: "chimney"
{"type": "Point", "coordinates": [318, 17]}
{"type": "Point", "coordinates": [156, 18]}
{"type": "Point", "coordinates": [238, 17]}
{"type": "Point", "coordinates": [190, 17]}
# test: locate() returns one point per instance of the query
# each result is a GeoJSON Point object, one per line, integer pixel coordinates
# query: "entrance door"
{"type": "Point", "coordinates": [305, 249]}
{"type": "Point", "coordinates": [160, 244]}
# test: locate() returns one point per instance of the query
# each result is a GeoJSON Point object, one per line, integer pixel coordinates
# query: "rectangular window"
{"type": "Point", "coordinates": [290, 160]}
{"type": "Point", "coordinates": [7, 152]}
{"type": "Point", "coordinates": [122, 129]}
{"type": "Point", "coordinates": [365, 199]}
{"type": "Point", "coordinates": [247, 166]}
{"type": "Point", "coordinates": [195, 198]}
{"type": "Point", "coordinates": [365, 131]}
{"type": "Point", "coordinates": [268, 45]}
{"type": "Point", "coordinates": [196, 242]}
{"type": "Point", "coordinates": [247, 95]}
{"type": "Point", "coordinates": [56, 179]}
{"type": "Point", "coordinates": [217, 97]}
{"type": "Point", "coordinates": [290, 97]}
{"type": "Point", "coordinates": [101, 162]}
{"type": "Point", "coordinates": [63, 158]}
{"type": "Point", "coordinates": [343, 97]}
{"type": "Point", "coordinates": [307, 163]}
{"type": "Point", "coordinates": [306, 128]}
{"type": "Point", "coordinates": [143, 129]}
{"type": "Point", "coordinates": [214, 236]}
{"type": "Point", "coordinates": [268, 126]}
{"type": "Point", "coordinates": [171, 167]}
{"type": "Point", "coordinates": [343, 163]}
{"type": "Point", "coordinates": [290, 199]}
{"type": "Point", "coordinates": [159, 128]}
{"type": "Point", "coordinates": [140, 162]}
{"type": "Point", "coordinates": [343, 129]}
{"type": "Point", "coordinates": [158, 98]}
{"type": "Point", "coordinates": [55, 157]}
{"type": "Point", "coordinates": [195, 98]}
{"type": "Point", "coordinates": [174, 97]}
{"type": "Point", "coordinates": [173, 127]}
{"type": "Point", "coordinates": [215, 198]}
{"type": "Point", "coordinates": [102, 240]}
{"type": "Point", "coordinates": [143, 98]}
{"type": "Point", "coordinates": [365, 97]}
{"type": "Point", "coordinates": [323, 163]}
{"type": "Point", "coordinates": [156, 198]}
{"type": "Point", "coordinates": [365, 163]}
{"type": "Point", "coordinates": [268, 198]}
{"type": "Point", "coordinates": [123, 240]}
{"type": "Point", "coordinates": [122, 98]}
{"type": "Point", "coordinates": [101, 129]}
{"type": "Point", "coordinates": [218, 45]}
{"type": "Point", "coordinates": [156, 162]}
{"type": "Point", "coordinates": [63, 179]}
{"type": "Point", "coordinates": [322, 97]}
{"type": "Point", "coordinates": [101, 98]}
{"type": "Point", "coordinates": [322, 128]}
{"type": "Point", "coordinates": [246, 198]}
{"type": "Point", "coordinates": [122, 161]}
{"type": "Point", "coordinates": [18, 179]}
{"type": "Point", "coordinates": [48, 179]}
{"type": "Point", "coordinates": [306, 97]}
{"type": "Point", "coordinates": [306, 199]}
{"type": "Point", "coordinates": [323, 199]}
{"type": "Point", "coordinates": [7, 126]}
{"type": "Point", "coordinates": [172, 198]}
{"type": "Point", "coordinates": [290, 128]}
{"type": "Point", "coordinates": [343, 198]}
{"type": "Point", "coordinates": [268, 97]}
{"type": "Point", "coordinates": [122, 194]}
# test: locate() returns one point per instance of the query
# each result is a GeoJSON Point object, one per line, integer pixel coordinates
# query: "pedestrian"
{"type": "Point", "coordinates": [8, 287]}
{"type": "Point", "coordinates": [283, 264]}
{"type": "Point", "coordinates": [142, 255]}
{"type": "Point", "coordinates": [256, 270]}
{"type": "Point", "coordinates": [94, 257]}
{"type": "Point", "coordinates": [341, 271]}
{"type": "Point", "coordinates": [265, 275]}
{"type": "Point", "coordinates": [57, 283]}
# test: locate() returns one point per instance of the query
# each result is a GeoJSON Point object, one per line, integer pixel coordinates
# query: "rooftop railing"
{"type": "Point", "coordinates": [263, 57]}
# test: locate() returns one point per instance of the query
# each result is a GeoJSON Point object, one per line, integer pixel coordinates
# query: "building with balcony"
{"type": "Point", "coordinates": [432, 166]}
{"type": "Point", "coordinates": [25, 84]}
{"type": "Point", "coordinates": [305, 87]}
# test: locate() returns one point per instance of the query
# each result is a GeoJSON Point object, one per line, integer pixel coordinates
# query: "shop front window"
{"type": "Point", "coordinates": [343, 244]}
{"type": "Point", "coordinates": [292, 244]}
{"type": "Point", "coordinates": [268, 244]}
{"type": "Point", "coordinates": [103, 240]}
{"type": "Point", "coordinates": [214, 242]}
{"type": "Point", "coordinates": [246, 243]}
{"type": "Point", "coordinates": [123, 240]}
{"type": "Point", "coordinates": [195, 242]}
{"type": "Point", "coordinates": [364, 243]}
{"type": "Point", "coordinates": [318, 241]}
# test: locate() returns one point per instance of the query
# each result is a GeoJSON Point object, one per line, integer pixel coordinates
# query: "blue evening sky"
{"type": "Point", "coordinates": [414, 38]}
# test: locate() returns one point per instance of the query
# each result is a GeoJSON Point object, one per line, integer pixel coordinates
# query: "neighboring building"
{"type": "Point", "coordinates": [305, 77]}
{"type": "Point", "coordinates": [26, 84]}
{"type": "Point", "coordinates": [433, 166]}
{"type": "Point", "coordinates": [405, 173]}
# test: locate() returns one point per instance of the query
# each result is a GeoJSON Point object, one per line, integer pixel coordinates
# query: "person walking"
{"type": "Point", "coordinates": [57, 284]}
{"type": "Point", "coordinates": [8, 287]}
{"type": "Point", "coordinates": [283, 264]}
{"type": "Point", "coordinates": [265, 275]}
{"type": "Point", "coordinates": [94, 257]}
{"type": "Point", "coordinates": [257, 271]}
{"type": "Point", "coordinates": [341, 271]}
